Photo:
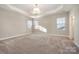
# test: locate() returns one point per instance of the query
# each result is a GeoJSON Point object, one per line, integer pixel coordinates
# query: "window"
{"type": "Point", "coordinates": [61, 23]}
{"type": "Point", "coordinates": [36, 23]}
{"type": "Point", "coordinates": [29, 23]}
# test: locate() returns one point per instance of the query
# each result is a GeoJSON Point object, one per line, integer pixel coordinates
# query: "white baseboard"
{"type": "Point", "coordinates": [60, 35]}
{"type": "Point", "coordinates": [28, 34]}
{"type": "Point", "coordinates": [14, 36]}
{"type": "Point", "coordinates": [52, 34]}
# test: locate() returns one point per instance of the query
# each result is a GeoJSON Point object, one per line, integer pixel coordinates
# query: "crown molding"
{"type": "Point", "coordinates": [13, 8]}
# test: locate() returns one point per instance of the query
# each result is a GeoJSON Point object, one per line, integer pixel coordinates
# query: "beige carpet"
{"type": "Point", "coordinates": [38, 44]}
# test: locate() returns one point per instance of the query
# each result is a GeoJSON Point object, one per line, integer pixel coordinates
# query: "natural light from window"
{"type": "Point", "coordinates": [29, 24]}
{"type": "Point", "coordinates": [36, 26]}
{"type": "Point", "coordinates": [61, 23]}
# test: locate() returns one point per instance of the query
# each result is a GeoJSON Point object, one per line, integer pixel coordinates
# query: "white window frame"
{"type": "Point", "coordinates": [61, 23]}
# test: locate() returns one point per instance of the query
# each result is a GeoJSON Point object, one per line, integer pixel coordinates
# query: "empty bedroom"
{"type": "Point", "coordinates": [39, 28]}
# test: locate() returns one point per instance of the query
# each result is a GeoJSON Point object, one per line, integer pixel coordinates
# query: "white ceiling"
{"type": "Point", "coordinates": [43, 7]}
{"type": "Point", "coordinates": [46, 9]}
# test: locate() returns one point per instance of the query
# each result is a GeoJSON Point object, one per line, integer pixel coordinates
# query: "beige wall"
{"type": "Point", "coordinates": [76, 26]}
{"type": "Point", "coordinates": [71, 23]}
{"type": "Point", "coordinates": [49, 22]}
{"type": "Point", "coordinates": [12, 23]}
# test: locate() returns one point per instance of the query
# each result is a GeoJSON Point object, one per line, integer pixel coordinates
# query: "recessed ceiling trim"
{"type": "Point", "coordinates": [49, 12]}
{"type": "Point", "coordinates": [53, 11]}
{"type": "Point", "coordinates": [18, 10]}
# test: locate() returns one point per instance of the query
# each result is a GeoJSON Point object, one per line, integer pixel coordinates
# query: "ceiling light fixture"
{"type": "Point", "coordinates": [36, 10]}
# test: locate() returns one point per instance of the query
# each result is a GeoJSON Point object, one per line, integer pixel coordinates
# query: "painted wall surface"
{"type": "Point", "coordinates": [76, 27]}
{"type": "Point", "coordinates": [71, 23]}
{"type": "Point", "coordinates": [12, 23]}
{"type": "Point", "coordinates": [49, 22]}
